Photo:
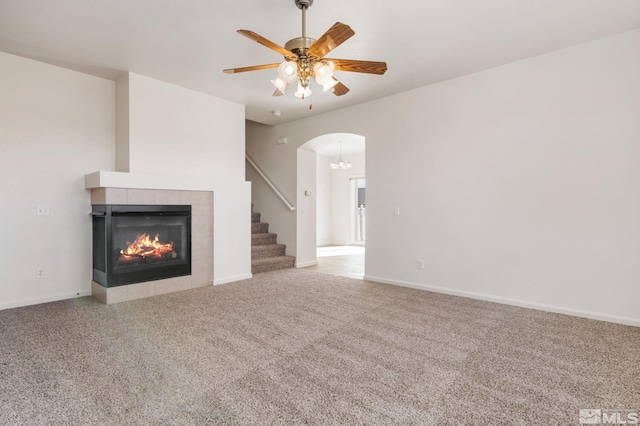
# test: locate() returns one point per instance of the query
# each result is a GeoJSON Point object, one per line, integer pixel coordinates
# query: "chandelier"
{"type": "Point", "coordinates": [340, 163]}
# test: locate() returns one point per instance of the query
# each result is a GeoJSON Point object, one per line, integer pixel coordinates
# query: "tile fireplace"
{"type": "Point", "coordinates": [183, 249]}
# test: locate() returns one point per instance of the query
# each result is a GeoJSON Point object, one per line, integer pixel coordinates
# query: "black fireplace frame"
{"type": "Point", "coordinates": [104, 272]}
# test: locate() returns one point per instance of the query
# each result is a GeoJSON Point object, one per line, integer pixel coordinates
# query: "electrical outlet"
{"type": "Point", "coordinates": [420, 264]}
{"type": "Point", "coordinates": [396, 211]}
{"type": "Point", "coordinates": [40, 273]}
{"type": "Point", "coordinates": [42, 210]}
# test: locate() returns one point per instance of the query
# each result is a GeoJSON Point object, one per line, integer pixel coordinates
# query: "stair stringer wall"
{"type": "Point", "coordinates": [281, 220]}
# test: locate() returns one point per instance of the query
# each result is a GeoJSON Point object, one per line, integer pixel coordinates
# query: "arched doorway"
{"type": "Point", "coordinates": [339, 202]}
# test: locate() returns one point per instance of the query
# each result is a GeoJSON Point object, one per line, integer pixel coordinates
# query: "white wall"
{"type": "Point", "coordinates": [56, 125]}
{"type": "Point", "coordinates": [173, 130]}
{"type": "Point", "coordinates": [123, 157]}
{"type": "Point", "coordinates": [323, 200]}
{"type": "Point", "coordinates": [306, 211]}
{"type": "Point", "coordinates": [517, 184]}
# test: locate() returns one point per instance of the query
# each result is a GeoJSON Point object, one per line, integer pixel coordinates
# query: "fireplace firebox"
{"type": "Point", "coordinates": [138, 243]}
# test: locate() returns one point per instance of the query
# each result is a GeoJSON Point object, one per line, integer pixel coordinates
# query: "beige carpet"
{"type": "Point", "coordinates": [302, 347]}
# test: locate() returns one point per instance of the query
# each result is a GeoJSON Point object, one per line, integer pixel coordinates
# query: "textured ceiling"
{"type": "Point", "coordinates": [190, 42]}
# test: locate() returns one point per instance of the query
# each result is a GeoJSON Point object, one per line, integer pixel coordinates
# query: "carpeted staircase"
{"type": "Point", "coordinates": [266, 254]}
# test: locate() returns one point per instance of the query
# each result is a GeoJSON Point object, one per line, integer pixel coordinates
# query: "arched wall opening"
{"type": "Point", "coordinates": [327, 209]}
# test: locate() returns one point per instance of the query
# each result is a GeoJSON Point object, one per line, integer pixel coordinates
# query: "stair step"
{"type": "Point", "coordinates": [259, 228]}
{"type": "Point", "coordinates": [270, 250]}
{"type": "Point", "coordinates": [263, 239]}
{"type": "Point", "coordinates": [272, 264]}
{"type": "Point", "coordinates": [266, 254]}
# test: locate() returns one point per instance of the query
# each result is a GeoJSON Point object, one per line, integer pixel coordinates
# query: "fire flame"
{"type": "Point", "coordinates": [144, 247]}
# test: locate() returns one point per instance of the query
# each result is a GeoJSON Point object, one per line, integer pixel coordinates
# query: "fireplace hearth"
{"type": "Point", "coordinates": [138, 243]}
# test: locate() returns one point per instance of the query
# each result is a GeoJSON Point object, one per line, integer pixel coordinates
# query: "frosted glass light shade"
{"type": "Point", "coordinates": [303, 92]}
{"type": "Point", "coordinates": [322, 72]}
{"type": "Point", "coordinates": [329, 84]}
{"type": "Point", "coordinates": [280, 85]}
{"type": "Point", "coordinates": [288, 72]}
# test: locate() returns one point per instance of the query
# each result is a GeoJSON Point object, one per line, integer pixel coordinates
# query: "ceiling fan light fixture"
{"type": "Point", "coordinates": [288, 71]}
{"type": "Point", "coordinates": [305, 59]}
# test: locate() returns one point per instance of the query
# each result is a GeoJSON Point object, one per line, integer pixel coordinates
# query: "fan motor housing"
{"type": "Point", "coordinates": [303, 4]}
{"type": "Point", "coordinates": [299, 44]}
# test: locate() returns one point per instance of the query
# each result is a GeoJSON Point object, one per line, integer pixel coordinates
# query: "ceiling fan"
{"type": "Point", "coordinates": [305, 59]}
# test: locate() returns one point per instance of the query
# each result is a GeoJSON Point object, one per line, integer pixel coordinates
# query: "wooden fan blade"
{"type": "Point", "coordinates": [253, 68]}
{"type": "Point", "coordinates": [268, 43]}
{"type": "Point", "coordinates": [340, 89]}
{"type": "Point", "coordinates": [369, 67]}
{"type": "Point", "coordinates": [333, 38]}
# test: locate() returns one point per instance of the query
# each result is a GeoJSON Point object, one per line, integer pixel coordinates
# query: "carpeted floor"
{"type": "Point", "coordinates": [302, 347]}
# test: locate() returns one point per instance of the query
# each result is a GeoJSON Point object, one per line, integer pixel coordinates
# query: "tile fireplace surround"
{"type": "Point", "coordinates": [201, 241]}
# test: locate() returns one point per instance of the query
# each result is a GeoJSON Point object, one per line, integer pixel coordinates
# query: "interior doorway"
{"type": "Point", "coordinates": [339, 202]}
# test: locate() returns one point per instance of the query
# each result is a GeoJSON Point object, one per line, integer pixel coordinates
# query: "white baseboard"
{"type": "Point", "coordinates": [513, 302]}
{"type": "Point", "coordinates": [39, 300]}
{"type": "Point", "coordinates": [227, 280]}
{"type": "Point", "coordinates": [306, 264]}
